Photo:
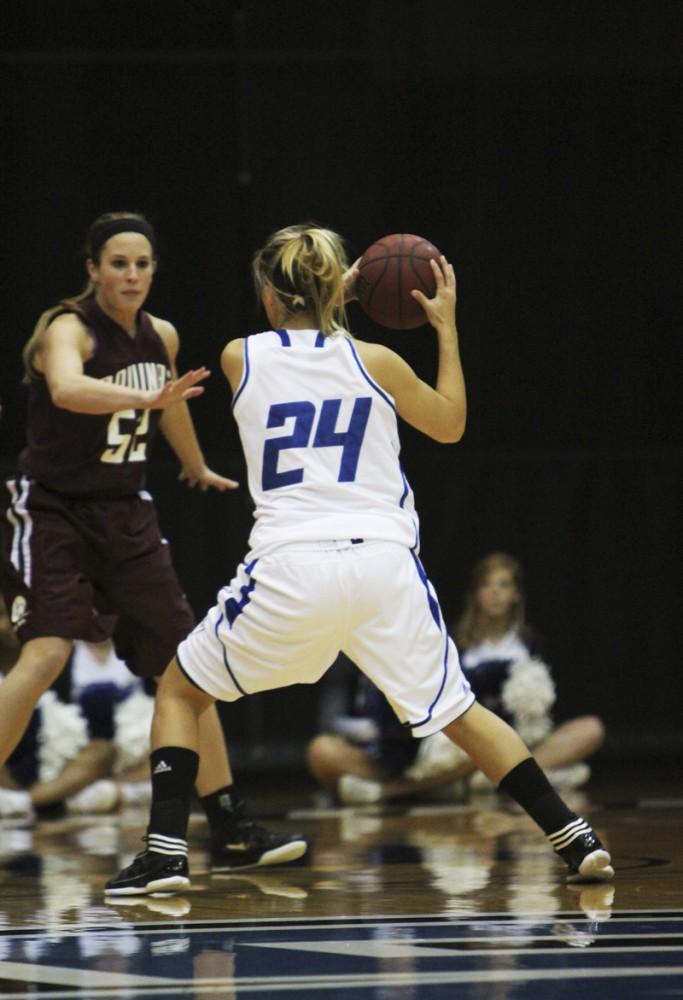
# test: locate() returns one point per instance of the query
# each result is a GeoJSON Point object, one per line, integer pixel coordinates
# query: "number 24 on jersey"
{"type": "Point", "coordinates": [302, 436]}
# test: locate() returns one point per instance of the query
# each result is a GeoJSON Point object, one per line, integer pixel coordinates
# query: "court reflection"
{"type": "Point", "coordinates": [451, 861]}
{"type": "Point", "coordinates": [402, 904]}
{"type": "Point", "coordinates": [457, 861]}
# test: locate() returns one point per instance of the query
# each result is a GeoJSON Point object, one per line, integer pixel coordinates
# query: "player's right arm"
{"type": "Point", "coordinates": [67, 345]}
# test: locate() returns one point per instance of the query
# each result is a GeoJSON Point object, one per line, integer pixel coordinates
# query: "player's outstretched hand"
{"type": "Point", "coordinates": [441, 309]}
{"type": "Point", "coordinates": [179, 389]}
{"type": "Point", "coordinates": [206, 479]}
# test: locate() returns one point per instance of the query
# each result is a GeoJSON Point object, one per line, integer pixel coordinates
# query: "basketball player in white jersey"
{"type": "Point", "coordinates": [333, 562]}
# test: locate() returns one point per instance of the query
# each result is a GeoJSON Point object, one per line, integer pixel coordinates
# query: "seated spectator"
{"type": "Point", "coordinates": [500, 657]}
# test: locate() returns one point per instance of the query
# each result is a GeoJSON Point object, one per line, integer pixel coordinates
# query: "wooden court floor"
{"type": "Point", "coordinates": [416, 902]}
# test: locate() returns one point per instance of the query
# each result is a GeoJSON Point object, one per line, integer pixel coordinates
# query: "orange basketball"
{"type": "Point", "coordinates": [388, 271]}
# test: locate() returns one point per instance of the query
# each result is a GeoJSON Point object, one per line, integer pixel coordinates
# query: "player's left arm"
{"type": "Point", "coordinates": [178, 429]}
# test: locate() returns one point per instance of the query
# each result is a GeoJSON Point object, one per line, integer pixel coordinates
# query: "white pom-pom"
{"type": "Point", "coordinates": [528, 695]}
{"type": "Point", "coordinates": [63, 732]}
{"type": "Point", "coordinates": [132, 727]}
{"type": "Point", "coordinates": [436, 755]}
{"type": "Point", "coordinates": [532, 731]}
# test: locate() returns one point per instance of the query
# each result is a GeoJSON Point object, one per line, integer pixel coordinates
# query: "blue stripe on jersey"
{"type": "Point", "coordinates": [225, 656]}
{"type": "Point", "coordinates": [430, 710]}
{"type": "Point", "coordinates": [436, 615]}
{"type": "Point", "coordinates": [367, 378]}
{"type": "Point", "coordinates": [382, 393]}
{"type": "Point", "coordinates": [415, 548]}
{"type": "Point", "coordinates": [286, 340]}
{"type": "Point", "coordinates": [245, 373]}
{"type": "Point", "coordinates": [233, 609]}
{"type": "Point", "coordinates": [433, 603]}
{"type": "Point", "coordinates": [406, 487]}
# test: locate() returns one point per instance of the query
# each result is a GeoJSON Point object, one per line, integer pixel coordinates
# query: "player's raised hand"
{"type": "Point", "coordinates": [177, 390]}
{"type": "Point", "coordinates": [440, 309]}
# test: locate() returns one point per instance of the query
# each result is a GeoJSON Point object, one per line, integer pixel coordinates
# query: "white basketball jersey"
{"type": "Point", "coordinates": [320, 439]}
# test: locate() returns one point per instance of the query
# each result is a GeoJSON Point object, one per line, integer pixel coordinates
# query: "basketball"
{"type": "Point", "coordinates": [388, 271]}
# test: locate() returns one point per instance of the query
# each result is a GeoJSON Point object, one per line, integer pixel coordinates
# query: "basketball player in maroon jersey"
{"type": "Point", "coordinates": [84, 557]}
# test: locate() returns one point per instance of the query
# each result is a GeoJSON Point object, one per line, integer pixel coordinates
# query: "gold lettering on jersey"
{"type": "Point", "coordinates": [127, 429]}
{"type": "Point", "coordinates": [126, 437]}
{"type": "Point", "coordinates": [143, 375]}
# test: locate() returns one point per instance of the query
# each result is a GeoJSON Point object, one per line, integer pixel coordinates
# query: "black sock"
{"type": "Point", "coordinates": [221, 806]}
{"type": "Point", "coordinates": [174, 771]}
{"type": "Point", "coordinates": [527, 785]}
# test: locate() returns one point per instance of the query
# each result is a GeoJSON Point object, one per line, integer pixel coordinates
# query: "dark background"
{"type": "Point", "coordinates": [536, 143]}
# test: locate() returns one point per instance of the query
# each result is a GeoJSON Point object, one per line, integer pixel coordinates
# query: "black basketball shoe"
{"type": "Point", "coordinates": [587, 859]}
{"type": "Point", "coordinates": [150, 872]}
{"type": "Point", "coordinates": [241, 843]}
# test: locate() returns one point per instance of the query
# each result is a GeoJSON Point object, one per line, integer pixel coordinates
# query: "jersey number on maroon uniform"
{"type": "Point", "coordinates": [127, 437]}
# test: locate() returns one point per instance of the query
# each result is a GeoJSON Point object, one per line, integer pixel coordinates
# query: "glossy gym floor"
{"type": "Point", "coordinates": [412, 902]}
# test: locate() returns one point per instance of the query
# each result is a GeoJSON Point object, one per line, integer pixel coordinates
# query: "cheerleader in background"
{"type": "Point", "coordinates": [499, 656]}
{"type": "Point", "coordinates": [89, 756]}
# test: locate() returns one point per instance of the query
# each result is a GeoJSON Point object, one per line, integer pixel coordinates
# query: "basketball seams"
{"type": "Point", "coordinates": [388, 270]}
{"type": "Point", "coordinates": [419, 278]}
{"type": "Point", "coordinates": [372, 286]}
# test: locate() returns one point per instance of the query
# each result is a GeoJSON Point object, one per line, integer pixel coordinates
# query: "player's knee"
{"type": "Point", "coordinates": [322, 757]}
{"type": "Point", "coordinates": [42, 661]}
{"type": "Point", "coordinates": [594, 731]}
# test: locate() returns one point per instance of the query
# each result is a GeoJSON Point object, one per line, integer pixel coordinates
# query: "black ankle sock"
{"type": "Point", "coordinates": [174, 771]}
{"type": "Point", "coordinates": [221, 806]}
{"type": "Point", "coordinates": [527, 785]}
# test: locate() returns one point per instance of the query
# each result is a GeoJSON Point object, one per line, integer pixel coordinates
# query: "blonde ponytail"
{"type": "Point", "coordinates": [304, 265]}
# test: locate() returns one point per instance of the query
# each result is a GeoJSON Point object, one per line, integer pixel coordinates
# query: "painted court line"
{"type": "Point", "coordinates": [27, 972]}
{"type": "Point", "coordinates": [367, 982]}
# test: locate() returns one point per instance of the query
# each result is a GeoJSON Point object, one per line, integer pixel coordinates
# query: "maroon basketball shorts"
{"type": "Point", "coordinates": [91, 569]}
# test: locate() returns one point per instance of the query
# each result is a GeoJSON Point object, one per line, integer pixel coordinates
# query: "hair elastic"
{"type": "Point", "coordinates": [298, 300]}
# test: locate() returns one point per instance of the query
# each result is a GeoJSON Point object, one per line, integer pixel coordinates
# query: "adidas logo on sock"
{"type": "Point", "coordinates": [162, 767]}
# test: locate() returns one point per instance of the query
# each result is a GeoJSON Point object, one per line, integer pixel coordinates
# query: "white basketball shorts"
{"type": "Point", "coordinates": [286, 616]}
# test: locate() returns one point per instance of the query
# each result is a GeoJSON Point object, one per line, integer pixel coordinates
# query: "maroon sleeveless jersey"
{"type": "Point", "coordinates": [98, 455]}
